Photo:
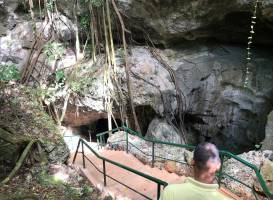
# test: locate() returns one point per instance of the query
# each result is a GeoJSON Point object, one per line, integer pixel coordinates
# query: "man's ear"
{"type": "Point", "coordinates": [219, 166]}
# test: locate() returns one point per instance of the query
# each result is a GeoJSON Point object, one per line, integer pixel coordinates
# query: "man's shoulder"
{"type": "Point", "coordinates": [188, 190]}
{"type": "Point", "coordinates": [171, 191]}
{"type": "Point", "coordinates": [174, 187]}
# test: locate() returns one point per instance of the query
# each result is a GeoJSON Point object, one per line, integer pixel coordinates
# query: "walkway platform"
{"type": "Point", "coordinates": [139, 183]}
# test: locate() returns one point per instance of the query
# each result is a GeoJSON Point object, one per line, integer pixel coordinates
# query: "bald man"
{"type": "Point", "coordinates": [206, 163]}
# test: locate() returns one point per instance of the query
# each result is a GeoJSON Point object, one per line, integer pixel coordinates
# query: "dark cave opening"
{"type": "Point", "coordinates": [102, 125]}
{"type": "Point", "coordinates": [145, 115]}
{"type": "Point", "coordinates": [89, 131]}
{"type": "Point", "coordinates": [193, 118]}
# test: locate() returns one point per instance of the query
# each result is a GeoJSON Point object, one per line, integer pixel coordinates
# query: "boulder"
{"type": "Point", "coordinates": [159, 129]}
{"type": "Point", "coordinates": [267, 144]}
{"type": "Point", "coordinates": [170, 166]}
{"type": "Point", "coordinates": [246, 175]}
{"type": "Point", "coordinates": [267, 173]}
{"type": "Point", "coordinates": [188, 157]}
{"type": "Point", "coordinates": [56, 152]}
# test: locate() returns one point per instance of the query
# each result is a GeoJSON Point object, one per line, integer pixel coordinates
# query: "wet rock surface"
{"type": "Point", "coordinates": [173, 21]}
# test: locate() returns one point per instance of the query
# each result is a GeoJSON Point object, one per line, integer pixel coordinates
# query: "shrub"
{"type": "Point", "coordinates": [9, 72]}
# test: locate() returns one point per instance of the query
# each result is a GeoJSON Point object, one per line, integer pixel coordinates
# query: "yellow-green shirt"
{"type": "Point", "coordinates": [192, 190]}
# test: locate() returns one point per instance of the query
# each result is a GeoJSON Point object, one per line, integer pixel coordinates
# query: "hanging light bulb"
{"type": "Point", "coordinates": [250, 38]}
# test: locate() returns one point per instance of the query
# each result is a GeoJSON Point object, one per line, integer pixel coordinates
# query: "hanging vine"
{"type": "Point", "coordinates": [98, 27]}
{"type": "Point", "coordinates": [128, 81]}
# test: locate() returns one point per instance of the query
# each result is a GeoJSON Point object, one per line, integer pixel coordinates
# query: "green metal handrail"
{"type": "Point", "coordinates": [151, 178]}
{"type": "Point", "coordinates": [254, 168]}
{"type": "Point", "coordinates": [223, 154]}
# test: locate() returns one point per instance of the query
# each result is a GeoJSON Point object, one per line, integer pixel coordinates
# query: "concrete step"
{"type": "Point", "coordinates": [132, 180]}
{"type": "Point", "coordinates": [139, 183]}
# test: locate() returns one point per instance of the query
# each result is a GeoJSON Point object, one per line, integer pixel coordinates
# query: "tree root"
{"type": "Point", "coordinates": [12, 138]}
{"type": "Point", "coordinates": [19, 163]}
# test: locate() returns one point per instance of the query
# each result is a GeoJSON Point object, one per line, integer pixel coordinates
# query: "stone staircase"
{"type": "Point", "coordinates": [132, 180]}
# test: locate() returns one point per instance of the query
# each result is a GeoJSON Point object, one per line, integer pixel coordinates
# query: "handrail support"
{"type": "Point", "coordinates": [83, 156]}
{"type": "Point", "coordinates": [104, 172]}
{"type": "Point", "coordinates": [153, 154]}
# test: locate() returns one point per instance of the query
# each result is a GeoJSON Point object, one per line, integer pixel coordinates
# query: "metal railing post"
{"type": "Point", "coordinates": [127, 141]}
{"type": "Point", "coordinates": [223, 154]}
{"type": "Point", "coordinates": [76, 151]}
{"type": "Point", "coordinates": [83, 159]}
{"type": "Point", "coordinates": [98, 143]}
{"type": "Point", "coordinates": [104, 173]}
{"type": "Point", "coordinates": [153, 154]}
{"type": "Point", "coordinates": [158, 191]}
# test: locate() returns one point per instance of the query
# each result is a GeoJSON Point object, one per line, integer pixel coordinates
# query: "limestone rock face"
{"type": "Point", "coordinates": [169, 21]}
{"type": "Point", "coordinates": [261, 159]}
{"type": "Point", "coordinates": [268, 141]}
{"type": "Point", "coordinates": [151, 82]}
{"type": "Point", "coordinates": [217, 107]}
{"type": "Point", "coordinates": [17, 35]}
{"type": "Point", "coordinates": [267, 173]}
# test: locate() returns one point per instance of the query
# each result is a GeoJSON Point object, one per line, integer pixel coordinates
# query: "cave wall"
{"type": "Point", "coordinates": [210, 78]}
{"type": "Point", "coordinates": [268, 141]}
{"type": "Point", "coordinates": [203, 41]}
{"type": "Point", "coordinates": [174, 21]}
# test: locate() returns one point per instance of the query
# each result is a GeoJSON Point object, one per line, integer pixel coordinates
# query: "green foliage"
{"type": "Point", "coordinates": [77, 193]}
{"type": "Point", "coordinates": [80, 80]}
{"type": "Point", "coordinates": [9, 72]}
{"type": "Point", "coordinates": [81, 84]}
{"type": "Point", "coordinates": [54, 50]}
{"type": "Point", "coordinates": [49, 94]}
{"type": "Point", "coordinates": [69, 191]}
{"type": "Point", "coordinates": [96, 3]}
{"type": "Point", "coordinates": [85, 21]}
{"type": "Point", "coordinates": [50, 5]}
{"type": "Point", "coordinates": [86, 189]}
{"type": "Point", "coordinates": [60, 76]}
{"type": "Point", "coordinates": [46, 180]}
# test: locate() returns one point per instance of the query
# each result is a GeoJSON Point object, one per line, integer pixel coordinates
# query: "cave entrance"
{"type": "Point", "coordinates": [89, 131]}
{"type": "Point", "coordinates": [145, 115]}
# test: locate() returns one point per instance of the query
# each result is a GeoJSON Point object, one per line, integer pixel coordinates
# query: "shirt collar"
{"type": "Point", "coordinates": [202, 185]}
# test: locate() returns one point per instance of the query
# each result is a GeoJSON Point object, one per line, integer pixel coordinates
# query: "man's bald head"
{"type": "Point", "coordinates": [206, 161]}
